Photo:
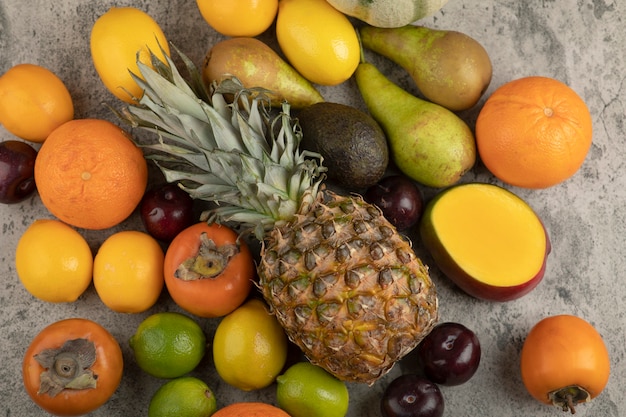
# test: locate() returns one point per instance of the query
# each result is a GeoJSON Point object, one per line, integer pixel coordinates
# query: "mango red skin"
{"type": "Point", "coordinates": [466, 282]}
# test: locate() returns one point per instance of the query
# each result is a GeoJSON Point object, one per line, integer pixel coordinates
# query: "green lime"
{"type": "Point", "coordinates": [183, 397]}
{"type": "Point", "coordinates": [168, 345]}
{"type": "Point", "coordinates": [306, 390]}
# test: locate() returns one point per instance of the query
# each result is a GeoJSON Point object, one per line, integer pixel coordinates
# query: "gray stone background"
{"type": "Point", "coordinates": [580, 42]}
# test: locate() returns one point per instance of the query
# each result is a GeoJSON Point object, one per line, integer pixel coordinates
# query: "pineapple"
{"type": "Point", "coordinates": [345, 285]}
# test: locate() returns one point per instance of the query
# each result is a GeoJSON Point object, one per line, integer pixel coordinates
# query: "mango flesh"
{"type": "Point", "coordinates": [449, 68]}
{"type": "Point", "coordinates": [255, 64]}
{"type": "Point", "coordinates": [487, 240]}
{"type": "Point", "coordinates": [428, 142]}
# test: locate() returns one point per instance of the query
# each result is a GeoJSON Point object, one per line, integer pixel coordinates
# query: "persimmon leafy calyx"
{"type": "Point", "coordinates": [67, 367]}
{"type": "Point", "coordinates": [209, 262]}
{"type": "Point", "coordinates": [568, 397]}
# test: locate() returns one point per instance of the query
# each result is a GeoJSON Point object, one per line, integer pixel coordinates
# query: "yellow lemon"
{"type": "Point", "coordinates": [239, 17]}
{"type": "Point", "coordinates": [249, 347]}
{"type": "Point", "coordinates": [53, 261]}
{"type": "Point", "coordinates": [33, 102]}
{"type": "Point", "coordinates": [119, 38]}
{"type": "Point", "coordinates": [128, 271]}
{"type": "Point", "coordinates": [318, 40]}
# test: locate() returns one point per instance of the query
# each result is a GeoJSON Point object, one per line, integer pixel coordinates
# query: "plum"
{"type": "Point", "coordinates": [166, 210]}
{"type": "Point", "coordinates": [412, 395]}
{"type": "Point", "coordinates": [17, 165]}
{"type": "Point", "coordinates": [399, 199]}
{"type": "Point", "coordinates": [449, 354]}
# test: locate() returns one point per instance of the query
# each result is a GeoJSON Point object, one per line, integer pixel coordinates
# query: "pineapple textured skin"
{"type": "Point", "coordinates": [347, 288]}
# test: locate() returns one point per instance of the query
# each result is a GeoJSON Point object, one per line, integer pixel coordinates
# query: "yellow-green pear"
{"type": "Point", "coordinates": [428, 142]}
{"type": "Point", "coordinates": [255, 64]}
{"type": "Point", "coordinates": [449, 68]}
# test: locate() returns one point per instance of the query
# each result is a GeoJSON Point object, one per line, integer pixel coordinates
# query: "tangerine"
{"type": "Point", "coordinates": [239, 17]}
{"type": "Point", "coordinates": [33, 102]}
{"type": "Point", "coordinates": [90, 174]}
{"type": "Point", "coordinates": [534, 132]}
{"type": "Point", "coordinates": [250, 409]}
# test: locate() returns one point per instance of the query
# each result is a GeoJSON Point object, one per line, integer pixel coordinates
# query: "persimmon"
{"type": "Point", "coordinates": [208, 270]}
{"type": "Point", "coordinates": [72, 367]}
{"type": "Point", "coordinates": [564, 362]}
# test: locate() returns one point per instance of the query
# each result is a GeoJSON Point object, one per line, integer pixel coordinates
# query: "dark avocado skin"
{"type": "Point", "coordinates": [352, 143]}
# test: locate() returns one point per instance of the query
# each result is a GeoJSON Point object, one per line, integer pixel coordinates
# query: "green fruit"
{"type": "Point", "coordinates": [183, 397]}
{"type": "Point", "coordinates": [428, 142]}
{"type": "Point", "coordinates": [168, 345]}
{"type": "Point", "coordinates": [352, 143]}
{"type": "Point", "coordinates": [449, 68]}
{"type": "Point", "coordinates": [306, 390]}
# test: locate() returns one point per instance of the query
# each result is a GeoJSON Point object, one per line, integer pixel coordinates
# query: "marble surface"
{"type": "Point", "coordinates": [578, 42]}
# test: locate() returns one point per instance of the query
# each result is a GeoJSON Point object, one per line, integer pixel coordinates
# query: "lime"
{"type": "Point", "coordinates": [168, 344]}
{"type": "Point", "coordinates": [183, 397]}
{"type": "Point", "coordinates": [306, 390]}
{"type": "Point", "coordinates": [249, 347]}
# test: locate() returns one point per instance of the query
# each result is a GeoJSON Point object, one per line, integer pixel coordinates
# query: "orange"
{"type": "Point", "coordinates": [128, 271]}
{"type": "Point", "coordinates": [53, 261]}
{"type": "Point", "coordinates": [33, 102]}
{"type": "Point", "coordinates": [250, 409]}
{"type": "Point", "coordinates": [90, 174]}
{"type": "Point", "coordinates": [533, 132]}
{"type": "Point", "coordinates": [239, 17]}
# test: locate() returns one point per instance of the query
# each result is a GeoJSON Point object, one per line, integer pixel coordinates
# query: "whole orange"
{"type": "Point", "coordinates": [90, 174]}
{"type": "Point", "coordinates": [534, 132]}
{"type": "Point", "coordinates": [33, 102]}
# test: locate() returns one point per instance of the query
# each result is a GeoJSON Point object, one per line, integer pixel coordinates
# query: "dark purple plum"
{"type": "Point", "coordinates": [17, 165]}
{"type": "Point", "coordinates": [449, 354]}
{"type": "Point", "coordinates": [165, 211]}
{"type": "Point", "coordinates": [411, 395]}
{"type": "Point", "coordinates": [399, 199]}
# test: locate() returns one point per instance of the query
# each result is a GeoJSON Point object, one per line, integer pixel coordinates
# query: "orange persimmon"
{"type": "Point", "coordinates": [72, 367]}
{"type": "Point", "coordinates": [208, 270]}
{"type": "Point", "coordinates": [564, 361]}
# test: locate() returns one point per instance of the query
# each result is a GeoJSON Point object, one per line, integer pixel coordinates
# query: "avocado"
{"type": "Point", "coordinates": [352, 143]}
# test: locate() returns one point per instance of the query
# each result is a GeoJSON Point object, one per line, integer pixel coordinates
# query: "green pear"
{"type": "Point", "coordinates": [255, 64]}
{"type": "Point", "coordinates": [427, 142]}
{"type": "Point", "coordinates": [449, 68]}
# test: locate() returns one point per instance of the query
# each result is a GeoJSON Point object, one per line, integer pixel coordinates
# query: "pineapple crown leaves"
{"type": "Point", "coordinates": [235, 154]}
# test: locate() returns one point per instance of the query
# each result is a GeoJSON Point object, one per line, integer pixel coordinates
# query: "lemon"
{"type": "Point", "coordinates": [186, 396]}
{"type": "Point", "coordinates": [306, 390]}
{"type": "Point", "coordinates": [53, 261]}
{"type": "Point", "coordinates": [168, 344]}
{"type": "Point", "coordinates": [119, 38]}
{"type": "Point", "coordinates": [249, 347]}
{"type": "Point", "coordinates": [318, 40]}
{"type": "Point", "coordinates": [128, 271]}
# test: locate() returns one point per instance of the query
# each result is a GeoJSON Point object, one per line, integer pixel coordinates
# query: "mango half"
{"type": "Point", "coordinates": [487, 240]}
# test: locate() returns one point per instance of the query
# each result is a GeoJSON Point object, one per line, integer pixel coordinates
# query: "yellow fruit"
{"type": "Point", "coordinates": [183, 397]}
{"type": "Point", "coordinates": [239, 17]}
{"type": "Point", "coordinates": [249, 347]}
{"type": "Point", "coordinates": [33, 102]}
{"type": "Point", "coordinates": [318, 40]}
{"type": "Point", "coordinates": [306, 390]}
{"type": "Point", "coordinates": [53, 261]}
{"type": "Point", "coordinates": [168, 345]}
{"type": "Point", "coordinates": [128, 271]}
{"type": "Point", "coordinates": [120, 37]}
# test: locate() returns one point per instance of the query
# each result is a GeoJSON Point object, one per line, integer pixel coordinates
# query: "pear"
{"type": "Point", "coordinates": [427, 142]}
{"type": "Point", "coordinates": [255, 64]}
{"type": "Point", "coordinates": [449, 68]}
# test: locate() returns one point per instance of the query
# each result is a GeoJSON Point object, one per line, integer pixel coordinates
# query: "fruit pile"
{"type": "Point", "coordinates": [248, 151]}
